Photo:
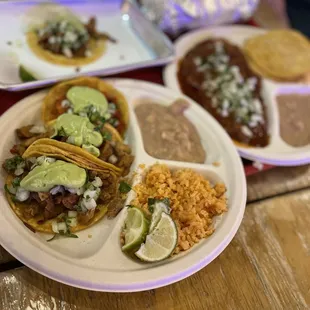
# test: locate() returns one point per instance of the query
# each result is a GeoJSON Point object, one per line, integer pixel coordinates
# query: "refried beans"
{"type": "Point", "coordinates": [168, 134]}
{"type": "Point", "coordinates": [215, 74]}
{"type": "Point", "coordinates": [294, 111]}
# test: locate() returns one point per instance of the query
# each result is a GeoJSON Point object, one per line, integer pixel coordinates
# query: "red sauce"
{"type": "Point", "coordinates": [191, 81]}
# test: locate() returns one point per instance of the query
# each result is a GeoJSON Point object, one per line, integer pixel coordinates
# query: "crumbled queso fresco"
{"type": "Point", "coordinates": [64, 38]}
{"type": "Point", "coordinates": [230, 93]}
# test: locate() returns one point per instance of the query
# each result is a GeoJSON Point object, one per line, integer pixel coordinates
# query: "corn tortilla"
{"type": "Point", "coordinates": [96, 47]}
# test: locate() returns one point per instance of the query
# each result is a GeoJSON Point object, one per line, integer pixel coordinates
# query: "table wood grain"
{"type": "Point", "coordinates": [266, 266]}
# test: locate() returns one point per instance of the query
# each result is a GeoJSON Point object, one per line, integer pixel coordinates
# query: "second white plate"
{"type": "Point", "coordinates": [277, 152]}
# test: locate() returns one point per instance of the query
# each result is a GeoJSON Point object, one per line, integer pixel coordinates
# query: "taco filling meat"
{"type": "Point", "coordinates": [78, 131]}
{"type": "Point", "coordinates": [56, 196]}
{"type": "Point", "coordinates": [68, 38]}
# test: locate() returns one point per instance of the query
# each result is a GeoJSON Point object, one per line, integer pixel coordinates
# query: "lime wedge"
{"type": "Point", "coordinates": [135, 228]}
{"type": "Point", "coordinates": [158, 208]}
{"type": "Point", "coordinates": [25, 75]}
{"type": "Point", "coordinates": [161, 242]}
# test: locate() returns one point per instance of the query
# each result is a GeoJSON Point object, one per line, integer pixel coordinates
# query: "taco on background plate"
{"type": "Point", "coordinates": [90, 97]}
{"type": "Point", "coordinates": [57, 36]}
{"type": "Point", "coordinates": [54, 191]}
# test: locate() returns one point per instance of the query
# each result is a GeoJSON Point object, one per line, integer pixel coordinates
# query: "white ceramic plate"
{"type": "Point", "coordinates": [97, 263]}
{"type": "Point", "coordinates": [277, 152]}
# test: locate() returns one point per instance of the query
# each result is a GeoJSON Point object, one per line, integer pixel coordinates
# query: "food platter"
{"type": "Point", "coordinates": [277, 152]}
{"type": "Point", "coordinates": [139, 43]}
{"type": "Point", "coordinates": [95, 260]}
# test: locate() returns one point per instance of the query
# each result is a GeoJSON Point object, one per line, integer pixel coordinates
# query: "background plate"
{"type": "Point", "coordinates": [277, 152]}
{"type": "Point", "coordinates": [139, 42]}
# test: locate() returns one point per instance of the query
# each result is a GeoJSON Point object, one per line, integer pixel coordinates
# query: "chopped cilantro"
{"type": "Point", "coordinates": [51, 239]}
{"type": "Point", "coordinates": [10, 164]}
{"type": "Point", "coordinates": [61, 132]}
{"type": "Point", "coordinates": [7, 189]}
{"type": "Point", "coordinates": [67, 234]}
{"type": "Point", "coordinates": [124, 187]}
{"type": "Point", "coordinates": [106, 135]}
{"type": "Point", "coordinates": [16, 182]}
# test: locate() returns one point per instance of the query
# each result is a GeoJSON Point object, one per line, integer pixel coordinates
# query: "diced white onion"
{"type": "Point", "coordinates": [38, 129]}
{"type": "Point", "coordinates": [65, 103]}
{"type": "Point", "coordinates": [72, 213]}
{"type": "Point", "coordinates": [22, 194]}
{"type": "Point", "coordinates": [246, 131]}
{"type": "Point", "coordinates": [19, 171]}
{"type": "Point", "coordinates": [71, 140]}
{"type": "Point", "coordinates": [89, 204]}
{"type": "Point", "coordinates": [79, 191]}
{"type": "Point", "coordinates": [62, 227]}
{"type": "Point", "coordinates": [91, 194]}
{"type": "Point", "coordinates": [97, 182]}
{"type": "Point", "coordinates": [55, 227]}
{"type": "Point", "coordinates": [88, 53]}
{"type": "Point", "coordinates": [72, 222]}
{"type": "Point", "coordinates": [112, 159]}
{"type": "Point", "coordinates": [57, 189]}
{"type": "Point", "coordinates": [42, 159]}
{"type": "Point", "coordinates": [12, 189]}
{"type": "Point", "coordinates": [67, 52]}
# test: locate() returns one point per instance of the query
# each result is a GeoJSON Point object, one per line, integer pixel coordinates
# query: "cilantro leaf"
{"type": "Point", "coordinates": [61, 132]}
{"type": "Point", "coordinates": [10, 164]}
{"type": "Point", "coordinates": [124, 187]}
{"type": "Point", "coordinates": [106, 135]}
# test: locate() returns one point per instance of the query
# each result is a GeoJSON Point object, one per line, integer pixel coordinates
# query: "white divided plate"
{"type": "Point", "coordinates": [95, 261]}
{"type": "Point", "coordinates": [277, 152]}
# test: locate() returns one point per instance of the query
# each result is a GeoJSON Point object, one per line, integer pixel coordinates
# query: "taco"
{"type": "Point", "coordinates": [59, 37]}
{"type": "Point", "coordinates": [78, 139]}
{"type": "Point", "coordinates": [87, 96]}
{"type": "Point", "coordinates": [59, 194]}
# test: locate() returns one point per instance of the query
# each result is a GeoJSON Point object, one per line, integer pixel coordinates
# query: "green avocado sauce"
{"type": "Point", "coordinates": [80, 131]}
{"type": "Point", "coordinates": [82, 97]}
{"type": "Point", "coordinates": [48, 175]}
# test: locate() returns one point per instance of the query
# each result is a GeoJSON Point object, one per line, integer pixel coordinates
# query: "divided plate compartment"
{"type": "Point", "coordinates": [95, 260]}
{"type": "Point", "coordinates": [139, 43]}
{"type": "Point", "coordinates": [277, 152]}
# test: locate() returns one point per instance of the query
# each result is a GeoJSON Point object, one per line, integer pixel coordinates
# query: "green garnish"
{"type": "Point", "coordinates": [6, 188]}
{"type": "Point", "coordinates": [10, 164]}
{"type": "Point", "coordinates": [25, 75]}
{"type": "Point", "coordinates": [16, 182]}
{"type": "Point", "coordinates": [51, 239]}
{"type": "Point", "coordinates": [124, 187]}
{"type": "Point", "coordinates": [106, 135]}
{"type": "Point", "coordinates": [61, 132]}
{"type": "Point", "coordinates": [67, 234]}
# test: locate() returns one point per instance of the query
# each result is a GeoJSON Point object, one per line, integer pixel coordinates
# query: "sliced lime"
{"type": "Point", "coordinates": [135, 228]}
{"type": "Point", "coordinates": [161, 242]}
{"type": "Point", "coordinates": [25, 75]}
{"type": "Point", "coordinates": [158, 208]}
